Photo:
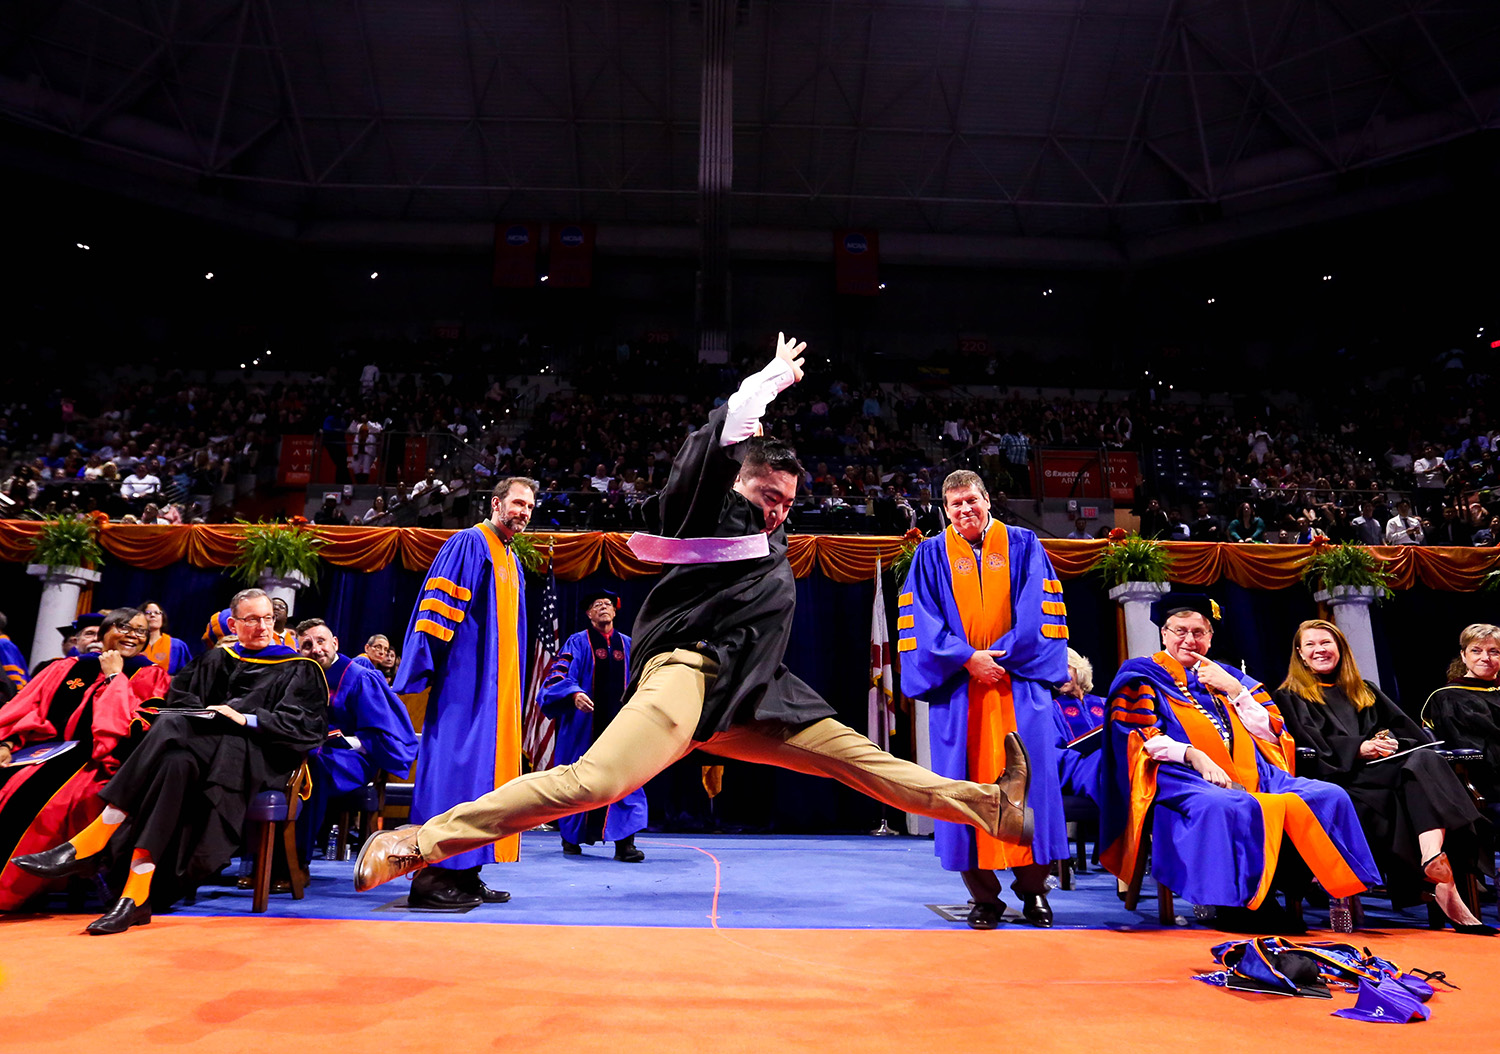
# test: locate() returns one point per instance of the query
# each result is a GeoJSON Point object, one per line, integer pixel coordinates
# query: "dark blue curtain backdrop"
{"type": "Point", "coordinates": [1416, 634]}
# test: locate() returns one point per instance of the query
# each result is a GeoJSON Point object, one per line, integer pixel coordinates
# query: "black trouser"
{"type": "Point", "coordinates": [155, 783]}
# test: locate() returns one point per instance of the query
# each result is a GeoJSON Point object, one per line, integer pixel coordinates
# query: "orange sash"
{"type": "Point", "coordinates": [508, 682]}
{"type": "Point", "coordinates": [984, 605]}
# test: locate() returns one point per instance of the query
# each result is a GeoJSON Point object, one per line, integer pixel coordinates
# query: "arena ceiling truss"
{"type": "Point", "coordinates": [1082, 132]}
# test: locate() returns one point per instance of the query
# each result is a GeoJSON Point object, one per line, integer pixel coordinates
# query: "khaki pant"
{"type": "Point", "coordinates": [656, 727]}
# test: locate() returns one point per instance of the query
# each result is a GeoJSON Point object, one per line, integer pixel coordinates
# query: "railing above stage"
{"type": "Point", "coordinates": [841, 558]}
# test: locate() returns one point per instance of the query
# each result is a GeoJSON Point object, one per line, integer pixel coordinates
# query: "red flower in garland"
{"type": "Point", "coordinates": [913, 535]}
{"type": "Point", "coordinates": [1118, 534]}
{"type": "Point", "coordinates": [100, 518]}
{"type": "Point", "coordinates": [299, 521]}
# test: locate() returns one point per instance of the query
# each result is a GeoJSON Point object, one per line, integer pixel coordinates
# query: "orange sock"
{"type": "Point", "coordinates": [93, 838]}
{"type": "Point", "coordinates": [138, 885]}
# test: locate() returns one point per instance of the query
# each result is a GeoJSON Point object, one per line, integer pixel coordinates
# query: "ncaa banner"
{"type": "Point", "coordinates": [571, 261]}
{"type": "Point", "coordinates": [515, 255]}
{"type": "Point", "coordinates": [856, 262]}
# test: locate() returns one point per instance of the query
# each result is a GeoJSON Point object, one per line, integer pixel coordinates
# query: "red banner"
{"type": "Point", "coordinates": [856, 262]}
{"type": "Point", "coordinates": [294, 468]}
{"type": "Point", "coordinates": [571, 261]}
{"type": "Point", "coordinates": [515, 255]}
{"type": "Point", "coordinates": [1072, 474]}
{"type": "Point", "coordinates": [1124, 468]}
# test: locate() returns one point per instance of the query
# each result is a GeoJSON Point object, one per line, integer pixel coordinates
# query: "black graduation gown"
{"type": "Point", "coordinates": [1465, 715]}
{"type": "Point", "coordinates": [739, 613]}
{"type": "Point", "coordinates": [287, 693]}
{"type": "Point", "coordinates": [1395, 799]}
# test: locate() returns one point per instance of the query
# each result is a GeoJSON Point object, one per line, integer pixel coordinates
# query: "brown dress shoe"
{"type": "Point", "coordinates": [387, 855]}
{"type": "Point", "coordinates": [1016, 820]}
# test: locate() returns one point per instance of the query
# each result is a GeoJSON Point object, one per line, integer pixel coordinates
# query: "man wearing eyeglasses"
{"type": "Point", "coordinates": [1202, 748]}
{"type": "Point", "coordinates": [236, 721]}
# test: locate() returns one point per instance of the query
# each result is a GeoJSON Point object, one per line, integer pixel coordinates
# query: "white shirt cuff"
{"type": "Point", "coordinates": [748, 405]}
{"type": "Point", "coordinates": [1254, 715]}
{"type": "Point", "coordinates": [1165, 748]}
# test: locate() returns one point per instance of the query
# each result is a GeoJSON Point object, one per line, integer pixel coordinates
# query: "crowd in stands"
{"type": "Point", "coordinates": [1335, 464]}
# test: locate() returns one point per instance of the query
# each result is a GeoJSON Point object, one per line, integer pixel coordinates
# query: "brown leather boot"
{"type": "Point", "coordinates": [387, 855]}
{"type": "Point", "coordinates": [1016, 820]}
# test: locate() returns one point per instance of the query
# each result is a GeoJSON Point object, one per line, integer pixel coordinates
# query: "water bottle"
{"type": "Point", "coordinates": [1340, 915]}
{"type": "Point", "coordinates": [333, 843]}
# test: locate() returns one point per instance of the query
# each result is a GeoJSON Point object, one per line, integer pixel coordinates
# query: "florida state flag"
{"type": "Point", "coordinates": [856, 262]}
{"type": "Point", "coordinates": [515, 255]}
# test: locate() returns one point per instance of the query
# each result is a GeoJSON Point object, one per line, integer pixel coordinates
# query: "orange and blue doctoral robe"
{"type": "Point", "coordinates": [360, 704]}
{"type": "Point", "coordinates": [168, 652]}
{"type": "Point", "coordinates": [599, 668]}
{"type": "Point", "coordinates": [1074, 718]}
{"type": "Point", "coordinates": [12, 663]}
{"type": "Point", "coordinates": [951, 606]}
{"type": "Point", "coordinates": [466, 646]}
{"type": "Point", "coordinates": [1210, 844]}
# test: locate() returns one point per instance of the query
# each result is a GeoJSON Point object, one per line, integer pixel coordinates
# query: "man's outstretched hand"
{"type": "Point", "coordinates": [789, 350]}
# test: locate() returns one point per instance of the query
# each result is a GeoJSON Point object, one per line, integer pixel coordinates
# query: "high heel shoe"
{"type": "Point", "coordinates": [1437, 920]}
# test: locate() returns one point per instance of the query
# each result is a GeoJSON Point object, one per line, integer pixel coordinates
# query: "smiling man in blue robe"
{"type": "Point", "coordinates": [583, 691]}
{"type": "Point", "coordinates": [983, 638]}
{"type": "Point", "coordinates": [466, 646]}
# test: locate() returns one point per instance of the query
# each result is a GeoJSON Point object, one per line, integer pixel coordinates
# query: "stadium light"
{"type": "Point", "coordinates": [209, 275]}
{"type": "Point", "coordinates": [374, 275]}
{"type": "Point", "coordinates": [81, 246]}
{"type": "Point", "coordinates": [544, 278]}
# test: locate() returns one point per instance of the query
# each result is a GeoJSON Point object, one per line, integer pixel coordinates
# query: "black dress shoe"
{"type": "Point", "coordinates": [1036, 910]}
{"type": "Point", "coordinates": [60, 861]}
{"type": "Point", "coordinates": [626, 852]}
{"type": "Point", "coordinates": [468, 881]}
{"type": "Point", "coordinates": [571, 848]}
{"type": "Point", "coordinates": [437, 889]}
{"type": "Point", "coordinates": [985, 916]}
{"type": "Point", "coordinates": [125, 914]}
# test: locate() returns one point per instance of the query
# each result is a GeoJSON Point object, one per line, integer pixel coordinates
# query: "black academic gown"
{"type": "Point", "coordinates": [1395, 799]}
{"type": "Point", "coordinates": [1465, 715]}
{"type": "Point", "coordinates": [288, 696]}
{"type": "Point", "coordinates": [740, 613]}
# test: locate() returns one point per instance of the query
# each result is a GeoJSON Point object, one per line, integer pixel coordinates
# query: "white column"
{"type": "Point", "coordinates": [284, 588]}
{"type": "Point", "coordinates": [1350, 608]}
{"type": "Point", "coordinates": [920, 824]}
{"type": "Point", "coordinates": [59, 606]}
{"type": "Point", "coordinates": [1142, 637]}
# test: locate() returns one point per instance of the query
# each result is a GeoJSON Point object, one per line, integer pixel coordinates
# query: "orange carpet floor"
{"type": "Point", "coordinates": [292, 985]}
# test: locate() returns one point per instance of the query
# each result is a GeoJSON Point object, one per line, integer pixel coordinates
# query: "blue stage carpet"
{"type": "Point", "coordinates": [761, 881]}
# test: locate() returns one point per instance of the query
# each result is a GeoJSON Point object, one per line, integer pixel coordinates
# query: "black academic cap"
{"type": "Point", "coordinates": [601, 594]}
{"type": "Point", "coordinates": [81, 623]}
{"type": "Point", "coordinates": [1176, 603]}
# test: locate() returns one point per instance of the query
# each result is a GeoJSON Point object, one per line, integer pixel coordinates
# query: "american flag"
{"type": "Point", "coordinates": [538, 732]}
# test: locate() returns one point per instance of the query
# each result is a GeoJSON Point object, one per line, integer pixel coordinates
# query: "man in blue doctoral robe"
{"type": "Point", "coordinates": [1203, 749]}
{"type": "Point", "coordinates": [583, 691]}
{"type": "Point", "coordinates": [369, 730]}
{"type": "Point", "coordinates": [466, 646]}
{"type": "Point", "coordinates": [983, 638]}
{"type": "Point", "coordinates": [1078, 716]}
